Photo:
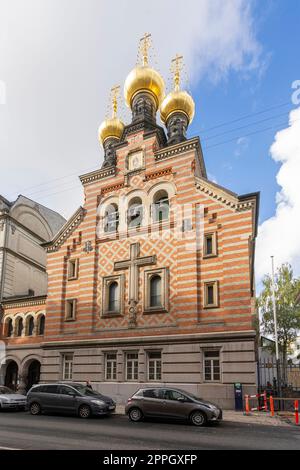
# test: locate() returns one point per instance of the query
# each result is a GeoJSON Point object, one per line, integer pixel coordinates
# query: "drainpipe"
{"type": "Point", "coordinates": [4, 258]}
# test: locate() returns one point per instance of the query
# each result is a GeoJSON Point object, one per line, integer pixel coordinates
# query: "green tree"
{"type": "Point", "coordinates": [287, 290]}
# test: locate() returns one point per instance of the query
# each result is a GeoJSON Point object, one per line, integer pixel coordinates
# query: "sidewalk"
{"type": "Point", "coordinates": [239, 417]}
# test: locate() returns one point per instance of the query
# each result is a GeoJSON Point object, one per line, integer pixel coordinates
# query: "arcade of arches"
{"type": "Point", "coordinates": [21, 377]}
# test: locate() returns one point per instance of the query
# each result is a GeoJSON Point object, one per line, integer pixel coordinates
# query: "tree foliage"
{"type": "Point", "coordinates": [287, 292]}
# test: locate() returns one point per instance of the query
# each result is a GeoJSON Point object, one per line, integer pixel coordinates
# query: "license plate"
{"type": "Point", "coordinates": [111, 407]}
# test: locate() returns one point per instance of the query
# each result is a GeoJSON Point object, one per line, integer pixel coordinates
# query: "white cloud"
{"type": "Point", "coordinates": [280, 234]}
{"type": "Point", "coordinates": [59, 59]}
{"type": "Point", "coordinates": [241, 145]}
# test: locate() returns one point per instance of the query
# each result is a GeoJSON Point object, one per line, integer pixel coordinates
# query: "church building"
{"type": "Point", "coordinates": [151, 281]}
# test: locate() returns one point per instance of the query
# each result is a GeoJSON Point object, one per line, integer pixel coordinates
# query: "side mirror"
{"type": "Point", "coordinates": [181, 399]}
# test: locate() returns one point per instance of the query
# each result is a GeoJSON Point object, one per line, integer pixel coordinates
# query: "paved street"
{"type": "Point", "coordinates": [23, 431]}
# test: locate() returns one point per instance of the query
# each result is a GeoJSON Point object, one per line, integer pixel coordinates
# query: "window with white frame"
{"type": "Point", "coordinates": [111, 366]}
{"type": "Point", "coordinates": [135, 213]}
{"type": "Point", "coordinates": [67, 366]}
{"type": "Point", "coordinates": [132, 366]}
{"type": "Point", "coordinates": [154, 365]}
{"type": "Point", "coordinates": [160, 206]}
{"type": "Point", "coordinates": [212, 366]}
{"type": "Point", "coordinates": [111, 218]}
{"type": "Point", "coordinates": [156, 290]}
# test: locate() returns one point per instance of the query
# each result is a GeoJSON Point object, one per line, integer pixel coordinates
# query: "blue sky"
{"type": "Point", "coordinates": [239, 95]}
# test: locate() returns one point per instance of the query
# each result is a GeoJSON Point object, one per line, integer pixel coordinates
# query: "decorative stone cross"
{"type": "Point", "coordinates": [133, 265]}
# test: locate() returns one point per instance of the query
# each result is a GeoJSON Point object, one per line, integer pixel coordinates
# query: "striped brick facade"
{"type": "Point", "coordinates": [186, 330]}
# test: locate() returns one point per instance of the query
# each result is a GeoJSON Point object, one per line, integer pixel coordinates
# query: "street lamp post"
{"type": "Point", "coordinates": [275, 330]}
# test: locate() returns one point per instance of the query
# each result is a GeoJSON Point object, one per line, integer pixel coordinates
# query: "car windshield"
{"type": "Point", "coordinates": [87, 391]}
{"type": "Point", "coordinates": [5, 391]}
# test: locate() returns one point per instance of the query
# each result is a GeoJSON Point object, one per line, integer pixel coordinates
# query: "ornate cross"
{"type": "Point", "coordinates": [114, 99]}
{"type": "Point", "coordinates": [176, 67]}
{"type": "Point", "coordinates": [144, 46]}
{"type": "Point", "coordinates": [133, 264]}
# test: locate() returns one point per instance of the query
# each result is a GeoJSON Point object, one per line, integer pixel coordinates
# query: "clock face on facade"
{"type": "Point", "coordinates": [135, 161]}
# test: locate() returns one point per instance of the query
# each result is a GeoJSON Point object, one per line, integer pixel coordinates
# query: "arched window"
{"type": "Point", "coordinates": [41, 328]}
{"type": "Point", "coordinates": [135, 213]}
{"type": "Point", "coordinates": [113, 297]}
{"type": "Point", "coordinates": [30, 326]}
{"type": "Point", "coordinates": [10, 328]}
{"type": "Point", "coordinates": [160, 206]}
{"type": "Point", "coordinates": [155, 291]}
{"type": "Point", "coordinates": [111, 218]}
{"type": "Point", "coordinates": [20, 327]}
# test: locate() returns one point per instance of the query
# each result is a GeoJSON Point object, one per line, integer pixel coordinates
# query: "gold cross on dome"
{"type": "Point", "coordinates": [176, 67]}
{"type": "Point", "coordinates": [144, 46]}
{"type": "Point", "coordinates": [114, 99]}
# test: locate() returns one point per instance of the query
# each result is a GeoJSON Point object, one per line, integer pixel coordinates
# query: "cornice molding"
{"type": "Point", "coordinates": [157, 174]}
{"type": "Point", "coordinates": [66, 231]}
{"type": "Point", "coordinates": [26, 302]}
{"type": "Point", "coordinates": [222, 195]}
{"type": "Point", "coordinates": [182, 147]}
{"type": "Point", "coordinates": [98, 175]}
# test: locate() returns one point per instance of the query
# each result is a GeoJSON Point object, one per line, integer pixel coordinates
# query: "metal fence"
{"type": "Point", "coordinates": [278, 379]}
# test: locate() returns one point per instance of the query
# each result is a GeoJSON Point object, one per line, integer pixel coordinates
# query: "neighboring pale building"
{"type": "Point", "coordinates": [294, 354]}
{"type": "Point", "coordinates": [24, 225]}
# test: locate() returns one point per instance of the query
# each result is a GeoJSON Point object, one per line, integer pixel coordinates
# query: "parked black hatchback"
{"type": "Point", "coordinates": [73, 398]}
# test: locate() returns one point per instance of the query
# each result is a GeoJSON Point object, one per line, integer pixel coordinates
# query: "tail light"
{"type": "Point", "coordinates": [129, 400]}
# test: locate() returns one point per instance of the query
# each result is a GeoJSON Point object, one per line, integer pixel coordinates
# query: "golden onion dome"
{"type": "Point", "coordinates": [178, 101]}
{"type": "Point", "coordinates": [110, 128]}
{"type": "Point", "coordinates": [144, 78]}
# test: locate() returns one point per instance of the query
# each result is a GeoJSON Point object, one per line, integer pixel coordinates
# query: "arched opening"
{"type": "Point", "coordinates": [135, 213]}
{"type": "Point", "coordinates": [11, 375]}
{"type": "Point", "coordinates": [161, 206]}
{"type": "Point", "coordinates": [41, 325]}
{"type": "Point", "coordinates": [20, 327]}
{"type": "Point", "coordinates": [30, 326]}
{"type": "Point", "coordinates": [33, 375]}
{"type": "Point", "coordinates": [113, 297]}
{"type": "Point", "coordinates": [155, 291]}
{"type": "Point", "coordinates": [111, 218]}
{"type": "Point", "coordinates": [9, 328]}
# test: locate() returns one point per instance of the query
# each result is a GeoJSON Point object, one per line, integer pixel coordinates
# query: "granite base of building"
{"type": "Point", "coordinates": [182, 366]}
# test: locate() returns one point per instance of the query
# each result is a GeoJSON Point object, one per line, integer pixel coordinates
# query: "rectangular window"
{"type": "Point", "coordinates": [212, 366]}
{"type": "Point", "coordinates": [132, 366]}
{"type": "Point", "coordinates": [67, 366]}
{"type": "Point", "coordinates": [154, 365]}
{"type": "Point", "coordinates": [70, 309]}
{"type": "Point", "coordinates": [211, 294]}
{"type": "Point", "coordinates": [72, 269]}
{"type": "Point", "coordinates": [111, 366]}
{"type": "Point", "coordinates": [210, 244]}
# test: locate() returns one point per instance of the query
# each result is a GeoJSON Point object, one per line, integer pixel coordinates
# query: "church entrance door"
{"type": "Point", "coordinates": [11, 375]}
{"type": "Point", "coordinates": [33, 376]}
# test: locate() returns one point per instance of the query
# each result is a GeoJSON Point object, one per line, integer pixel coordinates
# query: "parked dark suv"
{"type": "Point", "coordinates": [171, 403]}
{"type": "Point", "coordinates": [73, 398]}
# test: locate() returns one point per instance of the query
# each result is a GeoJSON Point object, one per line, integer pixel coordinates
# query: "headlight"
{"type": "Point", "coordinates": [212, 407]}
{"type": "Point", "coordinates": [98, 402]}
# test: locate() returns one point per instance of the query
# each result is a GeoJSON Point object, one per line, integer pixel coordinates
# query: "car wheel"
{"type": "Point", "coordinates": [84, 411]}
{"type": "Point", "coordinates": [135, 415]}
{"type": "Point", "coordinates": [35, 409]}
{"type": "Point", "coordinates": [198, 418]}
